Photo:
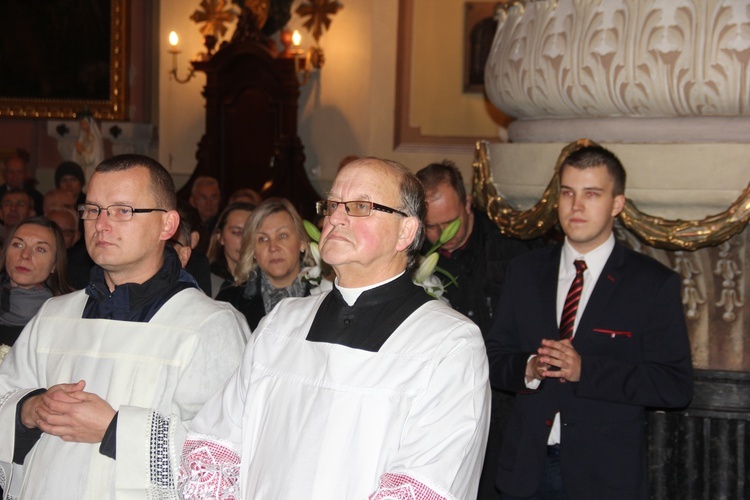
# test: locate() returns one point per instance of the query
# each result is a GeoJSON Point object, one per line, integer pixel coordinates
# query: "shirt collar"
{"type": "Point", "coordinates": [350, 295]}
{"type": "Point", "coordinates": [595, 259]}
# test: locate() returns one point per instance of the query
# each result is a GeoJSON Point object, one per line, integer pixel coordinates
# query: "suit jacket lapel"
{"type": "Point", "coordinates": [548, 293]}
{"type": "Point", "coordinates": [604, 289]}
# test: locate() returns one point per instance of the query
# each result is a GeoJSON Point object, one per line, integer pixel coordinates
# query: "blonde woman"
{"type": "Point", "coordinates": [275, 247]}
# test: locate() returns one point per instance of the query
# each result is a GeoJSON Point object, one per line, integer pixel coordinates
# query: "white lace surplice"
{"type": "Point", "coordinates": [157, 374]}
{"type": "Point", "coordinates": [319, 421]}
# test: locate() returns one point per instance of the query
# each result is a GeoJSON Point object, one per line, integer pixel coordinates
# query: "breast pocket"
{"type": "Point", "coordinates": [613, 341]}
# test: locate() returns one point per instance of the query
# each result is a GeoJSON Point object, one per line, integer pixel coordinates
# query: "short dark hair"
{"type": "Point", "coordinates": [18, 191]}
{"type": "Point", "coordinates": [69, 168]}
{"type": "Point", "coordinates": [162, 184]}
{"type": "Point", "coordinates": [445, 172]}
{"type": "Point", "coordinates": [183, 235]}
{"type": "Point", "coordinates": [597, 156]}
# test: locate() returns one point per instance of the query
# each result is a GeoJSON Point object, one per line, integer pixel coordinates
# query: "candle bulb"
{"type": "Point", "coordinates": [173, 39]}
{"type": "Point", "coordinates": [296, 38]}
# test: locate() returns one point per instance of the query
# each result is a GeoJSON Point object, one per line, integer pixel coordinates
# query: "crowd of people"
{"type": "Point", "coordinates": [167, 349]}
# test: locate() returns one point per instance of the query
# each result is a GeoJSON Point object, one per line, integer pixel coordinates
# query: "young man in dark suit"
{"type": "Point", "coordinates": [589, 334]}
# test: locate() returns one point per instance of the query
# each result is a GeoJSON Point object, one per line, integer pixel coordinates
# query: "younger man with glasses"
{"type": "Point", "coordinates": [372, 390]}
{"type": "Point", "coordinates": [96, 394]}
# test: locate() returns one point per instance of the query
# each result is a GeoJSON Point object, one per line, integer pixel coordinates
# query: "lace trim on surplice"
{"type": "Point", "coordinates": [394, 486]}
{"type": "Point", "coordinates": [161, 481]}
{"type": "Point", "coordinates": [209, 469]}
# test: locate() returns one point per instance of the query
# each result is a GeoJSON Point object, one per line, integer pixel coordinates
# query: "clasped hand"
{"type": "Point", "coordinates": [555, 353]}
{"type": "Point", "coordinates": [68, 412]}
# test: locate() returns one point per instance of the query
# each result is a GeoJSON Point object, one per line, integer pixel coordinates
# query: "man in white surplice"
{"type": "Point", "coordinates": [96, 394]}
{"type": "Point", "coordinates": [373, 388]}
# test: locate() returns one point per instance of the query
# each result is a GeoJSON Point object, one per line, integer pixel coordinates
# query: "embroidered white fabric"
{"type": "Point", "coordinates": [403, 487]}
{"type": "Point", "coordinates": [209, 470]}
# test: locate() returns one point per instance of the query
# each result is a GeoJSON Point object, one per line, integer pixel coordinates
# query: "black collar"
{"type": "Point", "coordinates": [372, 319]}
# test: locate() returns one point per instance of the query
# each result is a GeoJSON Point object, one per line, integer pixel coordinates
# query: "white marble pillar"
{"type": "Point", "coordinates": [665, 84]}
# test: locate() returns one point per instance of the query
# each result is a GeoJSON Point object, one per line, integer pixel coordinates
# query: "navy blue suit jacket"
{"type": "Point", "coordinates": [634, 351]}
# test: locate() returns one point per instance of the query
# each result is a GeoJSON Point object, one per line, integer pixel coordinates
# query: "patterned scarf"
{"type": "Point", "coordinates": [272, 295]}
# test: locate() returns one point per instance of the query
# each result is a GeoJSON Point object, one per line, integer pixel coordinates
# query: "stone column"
{"type": "Point", "coordinates": [665, 84]}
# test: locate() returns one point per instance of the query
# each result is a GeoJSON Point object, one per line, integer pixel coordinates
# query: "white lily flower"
{"type": "Point", "coordinates": [426, 267]}
{"type": "Point", "coordinates": [315, 251]}
{"type": "Point", "coordinates": [4, 349]}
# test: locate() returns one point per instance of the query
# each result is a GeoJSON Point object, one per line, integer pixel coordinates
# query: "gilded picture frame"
{"type": "Point", "coordinates": [63, 57]}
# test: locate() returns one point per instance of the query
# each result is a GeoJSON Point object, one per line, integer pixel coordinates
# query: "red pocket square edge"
{"type": "Point", "coordinates": [613, 332]}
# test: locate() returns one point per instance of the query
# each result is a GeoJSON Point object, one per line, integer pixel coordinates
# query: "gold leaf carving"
{"type": "Point", "coordinates": [654, 231]}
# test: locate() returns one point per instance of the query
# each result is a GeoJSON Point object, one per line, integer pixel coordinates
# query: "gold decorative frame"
{"type": "Point", "coordinates": [654, 231]}
{"type": "Point", "coordinates": [112, 108]}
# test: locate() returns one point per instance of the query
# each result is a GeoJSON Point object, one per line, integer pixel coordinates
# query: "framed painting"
{"type": "Point", "coordinates": [58, 57]}
{"type": "Point", "coordinates": [430, 58]}
{"type": "Point", "coordinates": [480, 25]}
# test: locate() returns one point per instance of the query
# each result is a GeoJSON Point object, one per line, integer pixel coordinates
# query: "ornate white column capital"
{"type": "Point", "coordinates": [587, 59]}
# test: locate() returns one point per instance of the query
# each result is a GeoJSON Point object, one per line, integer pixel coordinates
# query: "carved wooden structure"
{"type": "Point", "coordinates": [251, 136]}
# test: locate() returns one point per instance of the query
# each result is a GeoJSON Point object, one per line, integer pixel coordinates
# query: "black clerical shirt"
{"type": "Point", "coordinates": [372, 319]}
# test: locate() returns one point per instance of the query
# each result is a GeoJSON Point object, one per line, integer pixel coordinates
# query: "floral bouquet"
{"type": "Point", "coordinates": [426, 274]}
{"type": "Point", "coordinates": [314, 274]}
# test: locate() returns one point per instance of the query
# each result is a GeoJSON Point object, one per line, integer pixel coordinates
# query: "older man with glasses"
{"type": "Point", "coordinates": [372, 390]}
{"type": "Point", "coordinates": [96, 395]}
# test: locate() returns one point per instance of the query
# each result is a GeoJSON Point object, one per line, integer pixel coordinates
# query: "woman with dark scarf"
{"type": "Point", "coordinates": [224, 248]}
{"type": "Point", "coordinates": [33, 269]}
{"type": "Point", "coordinates": [275, 247]}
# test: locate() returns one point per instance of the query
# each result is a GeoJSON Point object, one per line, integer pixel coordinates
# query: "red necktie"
{"type": "Point", "coordinates": [568, 318]}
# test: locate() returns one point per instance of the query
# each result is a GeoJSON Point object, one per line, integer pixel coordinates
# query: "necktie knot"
{"type": "Point", "coordinates": [580, 266]}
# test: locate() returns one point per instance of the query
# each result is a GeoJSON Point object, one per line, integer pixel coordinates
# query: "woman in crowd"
{"type": "Point", "coordinates": [224, 248]}
{"type": "Point", "coordinates": [275, 247]}
{"type": "Point", "coordinates": [33, 269]}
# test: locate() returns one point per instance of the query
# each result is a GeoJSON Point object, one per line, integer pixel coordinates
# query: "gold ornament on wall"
{"type": "Point", "coordinates": [215, 16]}
{"type": "Point", "coordinates": [318, 11]}
{"type": "Point", "coordinates": [654, 231]}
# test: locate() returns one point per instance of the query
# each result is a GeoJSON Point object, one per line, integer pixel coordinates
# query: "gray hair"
{"type": "Point", "coordinates": [413, 203]}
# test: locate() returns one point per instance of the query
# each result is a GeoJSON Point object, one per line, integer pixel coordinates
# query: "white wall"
{"type": "Point", "coordinates": [181, 107]}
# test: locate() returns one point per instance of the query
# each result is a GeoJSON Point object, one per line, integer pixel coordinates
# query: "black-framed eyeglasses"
{"type": "Point", "coordinates": [115, 213]}
{"type": "Point", "coordinates": [354, 208]}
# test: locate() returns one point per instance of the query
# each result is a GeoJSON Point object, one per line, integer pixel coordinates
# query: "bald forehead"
{"type": "Point", "coordinates": [385, 173]}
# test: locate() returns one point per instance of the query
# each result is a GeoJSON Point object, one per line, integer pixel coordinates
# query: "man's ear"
{"type": "Point", "coordinates": [170, 224]}
{"type": "Point", "coordinates": [619, 204]}
{"type": "Point", "coordinates": [467, 205]}
{"type": "Point", "coordinates": [408, 231]}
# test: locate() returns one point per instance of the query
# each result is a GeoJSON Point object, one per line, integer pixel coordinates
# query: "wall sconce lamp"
{"type": "Point", "coordinates": [173, 40]}
{"type": "Point", "coordinates": [305, 62]}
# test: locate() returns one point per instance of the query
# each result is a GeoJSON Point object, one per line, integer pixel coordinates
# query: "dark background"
{"type": "Point", "coordinates": [55, 49]}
